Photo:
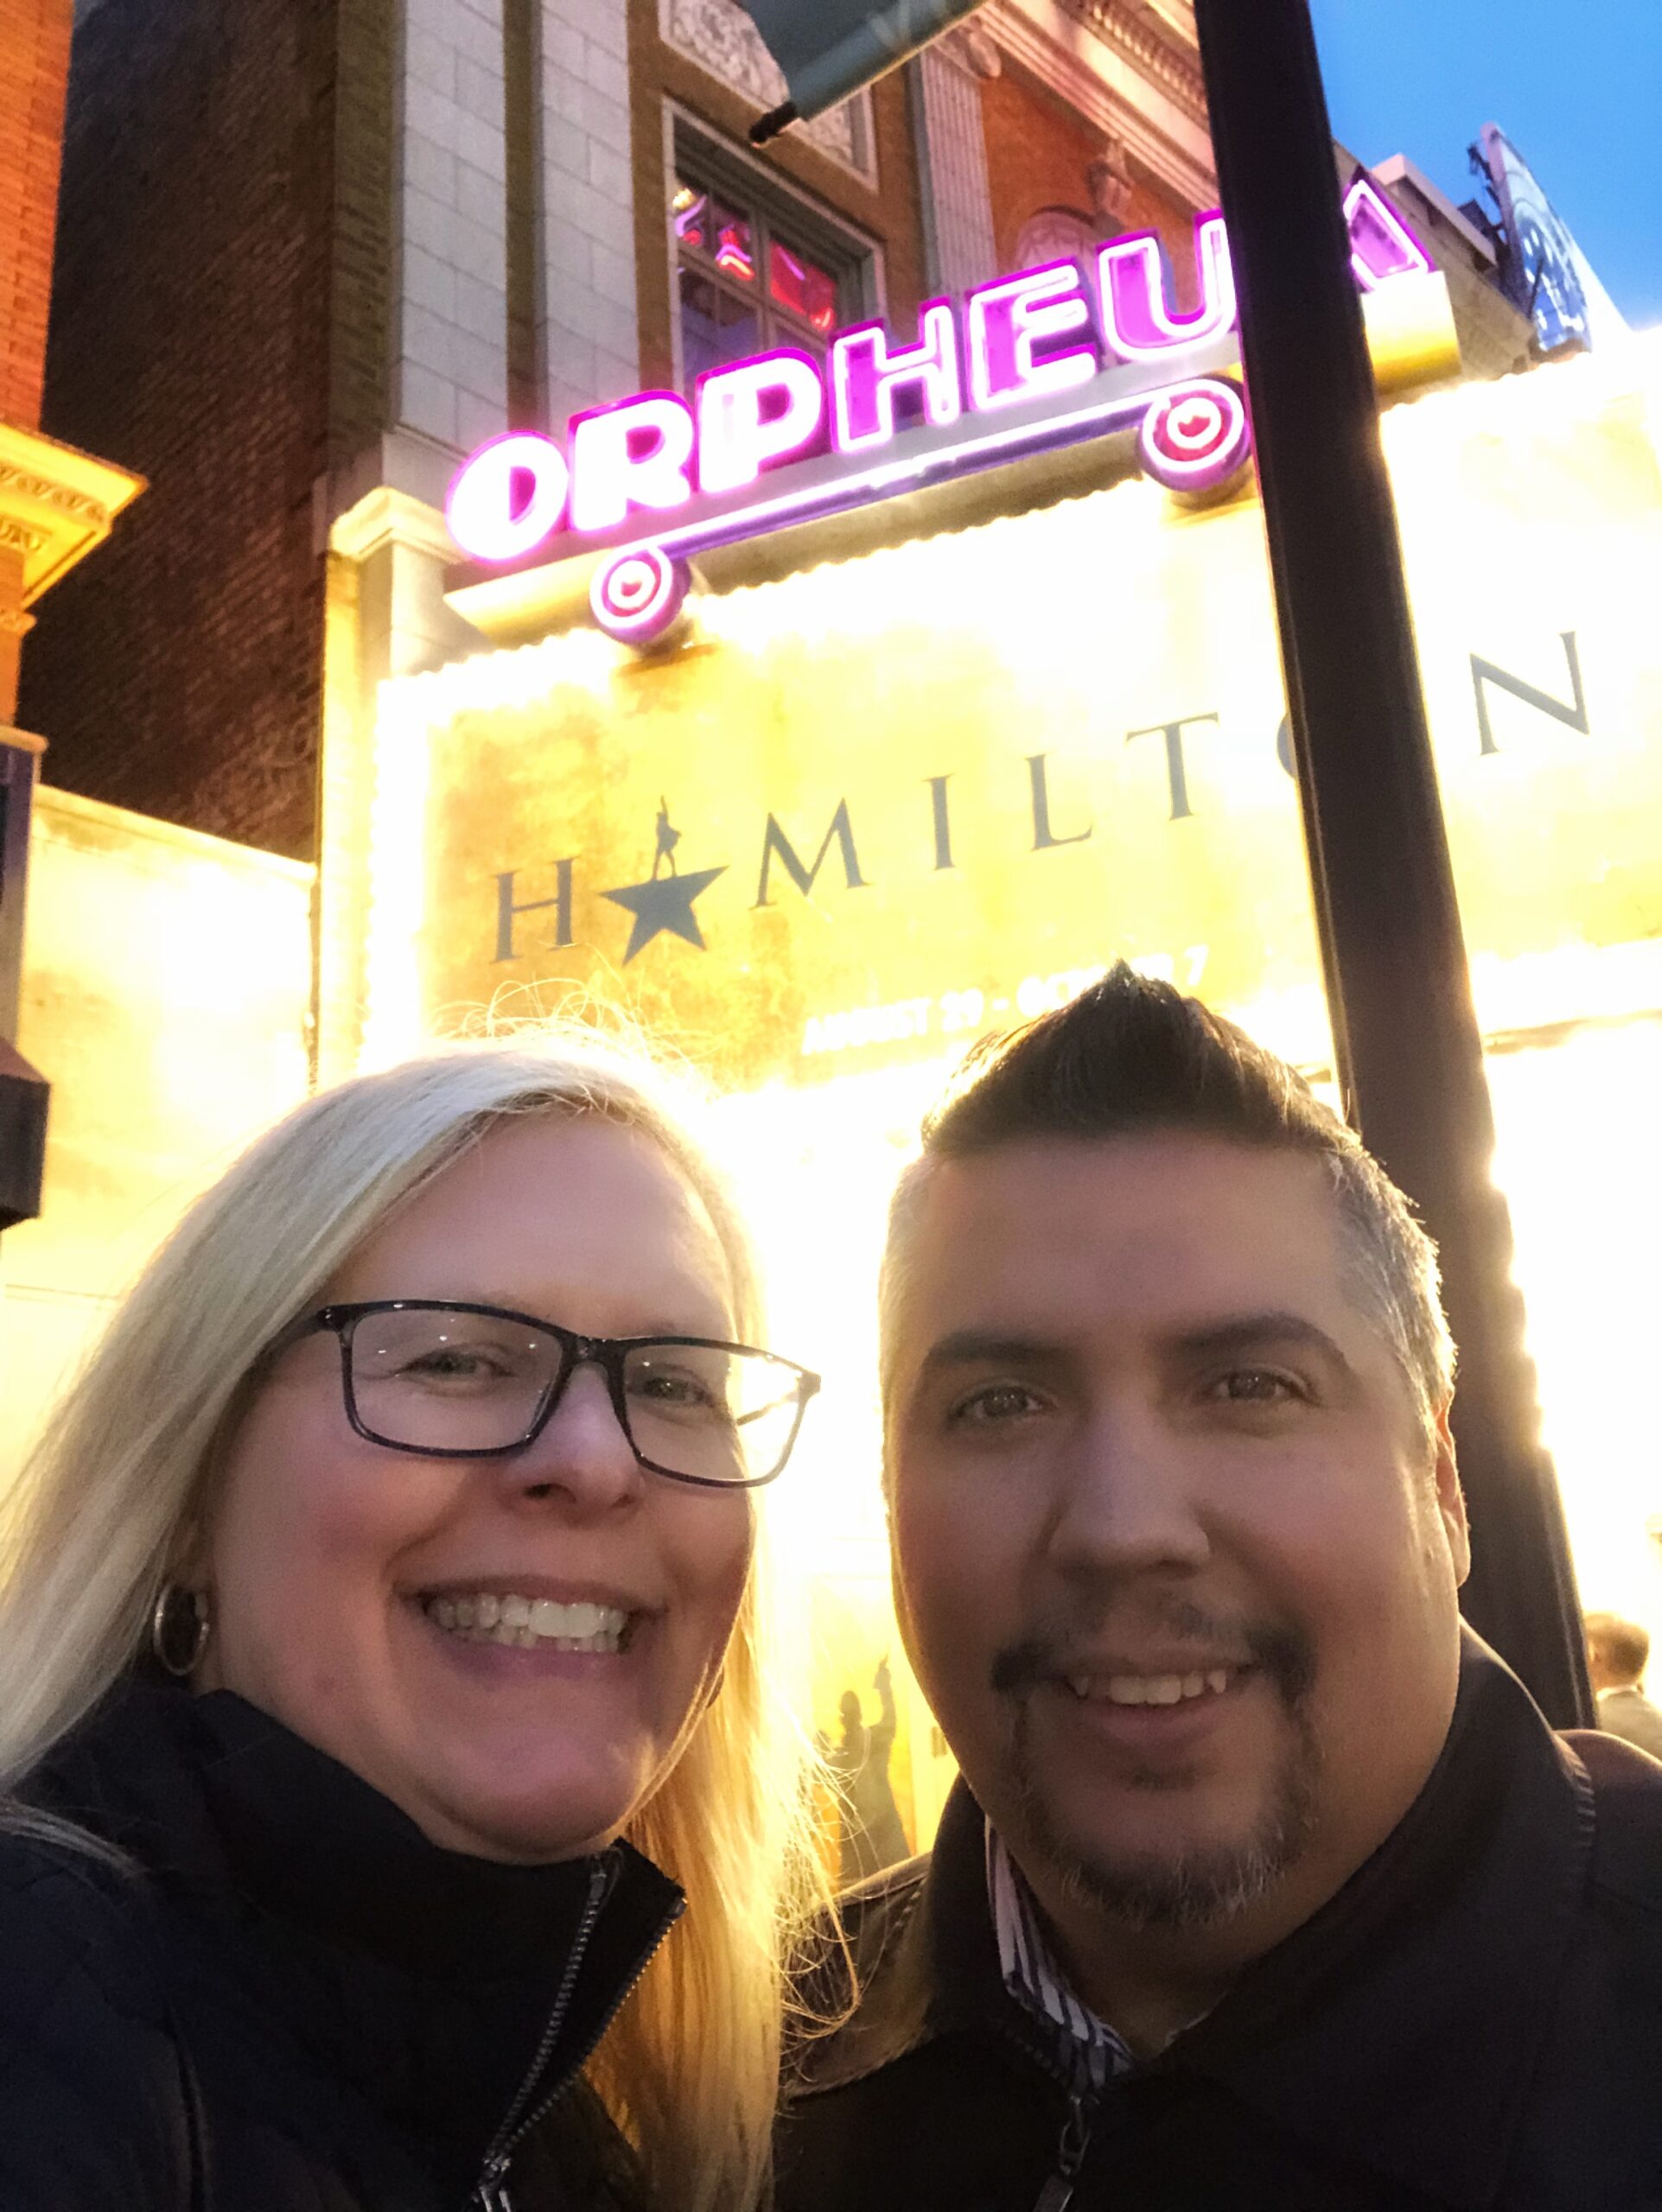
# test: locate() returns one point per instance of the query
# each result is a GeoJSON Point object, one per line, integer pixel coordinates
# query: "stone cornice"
{"type": "Point", "coordinates": [56, 504]}
{"type": "Point", "coordinates": [384, 516]}
{"type": "Point", "coordinates": [1070, 52]}
{"type": "Point", "coordinates": [1131, 31]}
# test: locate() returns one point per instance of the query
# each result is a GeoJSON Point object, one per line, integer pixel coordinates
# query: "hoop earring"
{"type": "Point", "coordinates": [165, 1637]}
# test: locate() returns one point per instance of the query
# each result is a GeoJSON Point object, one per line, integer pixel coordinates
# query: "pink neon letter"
{"type": "Point", "coordinates": [760, 411]}
{"type": "Point", "coordinates": [484, 511]}
{"type": "Point", "coordinates": [1381, 244]}
{"type": "Point", "coordinates": [1137, 318]}
{"type": "Point", "coordinates": [633, 455]}
{"type": "Point", "coordinates": [865, 377]}
{"type": "Point", "coordinates": [1009, 319]}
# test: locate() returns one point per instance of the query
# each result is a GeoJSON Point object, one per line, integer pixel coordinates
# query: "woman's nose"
{"type": "Point", "coordinates": [582, 1453]}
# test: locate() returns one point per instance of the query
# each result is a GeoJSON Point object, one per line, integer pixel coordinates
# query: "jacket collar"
{"type": "Point", "coordinates": [1403, 2023]}
{"type": "Point", "coordinates": [425, 1977]}
{"type": "Point", "coordinates": [1399, 2024]}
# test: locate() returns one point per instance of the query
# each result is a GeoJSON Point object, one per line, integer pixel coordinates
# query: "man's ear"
{"type": "Point", "coordinates": [1451, 1500]}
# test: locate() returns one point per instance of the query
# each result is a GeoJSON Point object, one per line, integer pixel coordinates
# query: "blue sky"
{"type": "Point", "coordinates": [1578, 91]}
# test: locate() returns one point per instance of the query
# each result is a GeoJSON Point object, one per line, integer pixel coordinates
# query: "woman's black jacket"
{"type": "Point", "coordinates": [288, 2001]}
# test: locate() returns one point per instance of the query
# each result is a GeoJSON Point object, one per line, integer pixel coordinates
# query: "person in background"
{"type": "Point", "coordinates": [870, 1836]}
{"type": "Point", "coordinates": [1266, 1887]}
{"type": "Point", "coordinates": [1617, 1652]}
{"type": "Point", "coordinates": [386, 1661]}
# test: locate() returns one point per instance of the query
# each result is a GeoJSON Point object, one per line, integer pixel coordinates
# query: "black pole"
{"type": "Point", "coordinates": [23, 1091]}
{"type": "Point", "coordinates": [1410, 1054]}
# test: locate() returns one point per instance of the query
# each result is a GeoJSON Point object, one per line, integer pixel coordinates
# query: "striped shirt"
{"type": "Point", "coordinates": [1090, 2052]}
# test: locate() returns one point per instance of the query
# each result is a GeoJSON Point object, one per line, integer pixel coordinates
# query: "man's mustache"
{"type": "Point", "coordinates": [1283, 1652]}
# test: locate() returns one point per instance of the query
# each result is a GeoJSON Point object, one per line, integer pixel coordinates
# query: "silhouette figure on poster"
{"type": "Point", "coordinates": [668, 839]}
{"type": "Point", "coordinates": [870, 1834]}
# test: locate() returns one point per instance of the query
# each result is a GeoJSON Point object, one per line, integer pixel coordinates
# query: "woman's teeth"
{"type": "Point", "coordinates": [1152, 1689]}
{"type": "Point", "coordinates": [525, 1623]}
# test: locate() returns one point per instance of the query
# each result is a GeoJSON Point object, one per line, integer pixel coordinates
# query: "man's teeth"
{"type": "Point", "coordinates": [1151, 1689]}
{"type": "Point", "coordinates": [527, 1622]}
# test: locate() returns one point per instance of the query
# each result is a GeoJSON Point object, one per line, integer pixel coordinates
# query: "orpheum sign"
{"type": "Point", "coordinates": [1047, 357]}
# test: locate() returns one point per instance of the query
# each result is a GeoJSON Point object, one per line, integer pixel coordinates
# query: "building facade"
{"type": "Point", "coordinates": [315, 251]}
{"type": "Point", "coordinates": [56, 504]}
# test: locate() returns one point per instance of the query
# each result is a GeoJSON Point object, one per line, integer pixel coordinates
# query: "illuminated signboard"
{"type": "Point", "coordinates": [1048, 356]}
{"type": "Point", "coordinates": [888, 799]}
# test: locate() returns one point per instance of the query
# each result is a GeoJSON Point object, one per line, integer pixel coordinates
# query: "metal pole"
{"type": "Point", "coordinates": [1410, 1055]}
{"type": "Point", "coordinates": [23, 1091]}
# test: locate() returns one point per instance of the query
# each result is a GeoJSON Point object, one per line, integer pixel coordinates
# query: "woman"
{"type": "Point", "coordinates": [382, 1605]}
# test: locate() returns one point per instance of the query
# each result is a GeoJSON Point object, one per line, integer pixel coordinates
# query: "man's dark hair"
{"type": "Point", "coordinates": [1625, 1645]}
{"type": "Point", "coordinates": [1130, 1057]}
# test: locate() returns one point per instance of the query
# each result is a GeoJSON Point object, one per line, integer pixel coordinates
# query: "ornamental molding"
{"type": "Point", "coordinates": [970, 47]}
{"type": "Point", "coordinates": [18, 483]}
{"type": "Point", "coordinates": [1074, 59]}
{"type": "Point", "coordinates": [388, 516]}
{"type": "Point", "coordinates": [1177, 76]}
{"type": "Point", "coordinates": [719, 35]}
{"type": "Point", "coordinates": [56, 504]}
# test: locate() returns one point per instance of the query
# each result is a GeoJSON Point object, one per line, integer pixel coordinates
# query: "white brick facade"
{"type": "Point", "coordinates": [451, 366]}
{"type": "Point", "coordinates": [588, 324]}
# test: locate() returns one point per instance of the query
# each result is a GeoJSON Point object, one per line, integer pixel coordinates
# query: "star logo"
{"type": "Point", "coordinates": [664, 901]}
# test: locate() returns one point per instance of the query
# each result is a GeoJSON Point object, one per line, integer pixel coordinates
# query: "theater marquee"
{"type": "Point", "coordinates": [1034, 363]}
{"type": "Point", "coordinates": [878, 806]}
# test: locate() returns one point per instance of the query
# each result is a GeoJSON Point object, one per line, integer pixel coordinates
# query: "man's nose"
{"type": "Point", "coordinates": [582, 1456]}
{"type": "Point", "coordinates": [1127, 1501]}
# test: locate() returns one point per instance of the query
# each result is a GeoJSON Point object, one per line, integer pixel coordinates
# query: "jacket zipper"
{"type": "Point", "coordinates": [491, 2191]}
{"type": "Point", "coordinates": [1058, 2192]}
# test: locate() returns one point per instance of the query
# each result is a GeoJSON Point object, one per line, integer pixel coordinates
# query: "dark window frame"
{"type": "Point", "coordinates": [777, 211]}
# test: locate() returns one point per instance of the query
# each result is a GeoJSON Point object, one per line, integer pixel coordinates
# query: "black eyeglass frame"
{"type": "Point", "coordinates": [608, 1353]}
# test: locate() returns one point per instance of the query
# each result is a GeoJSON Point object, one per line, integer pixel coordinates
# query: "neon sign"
{"type": "Point", "coordinates": [1045, 357]}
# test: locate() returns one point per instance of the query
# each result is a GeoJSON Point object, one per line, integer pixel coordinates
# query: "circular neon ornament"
{"type": "Point", "coordinates": [638, 595]}
{"type": "Point", "coordinates": [1196, 437]}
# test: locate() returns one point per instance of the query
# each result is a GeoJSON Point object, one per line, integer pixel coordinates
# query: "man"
{"type": "Point", "coordinates": [1265, 1888]}
{"type": "Point", "coordinates": [1617, 1651]}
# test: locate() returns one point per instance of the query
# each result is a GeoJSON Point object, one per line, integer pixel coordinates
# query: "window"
{"type": "Point", "coordinates": [753, 271]}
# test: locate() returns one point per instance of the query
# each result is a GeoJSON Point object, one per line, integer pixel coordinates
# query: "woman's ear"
{"type": "Point", "coordinates": [190, 1556]}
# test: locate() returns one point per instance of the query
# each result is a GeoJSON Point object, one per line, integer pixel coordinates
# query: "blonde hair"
{"type": "Point", "coordinates": [690, 2069]}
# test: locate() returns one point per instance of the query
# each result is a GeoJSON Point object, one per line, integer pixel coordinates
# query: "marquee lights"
{"type": "Point", "coordinates": [636, 455]}
{"type": "Point", "coordinates": [509, 497]}
{"type": "Point", "coordinates": [765, 410]}
{"type": "Point", "coordinates": [1006, 322]}
{"type": "Point", "coordinates": [684, 478]}
{"type": "Point", "coordinates": [1381, 244]}
{"type": "Point", "coordinates": [1138, 324]}
{"type": "Point", "coordinates": [868, 380]}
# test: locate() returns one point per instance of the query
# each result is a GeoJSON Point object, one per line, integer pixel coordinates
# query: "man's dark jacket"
{"type": "Point", "coordinates": [288, 2001]}
{"type": "Point", "coordinates": [1475, 2020]}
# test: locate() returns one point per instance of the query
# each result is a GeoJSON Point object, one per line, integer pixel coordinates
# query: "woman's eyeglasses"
{"type": "Point", "coordinates": [451, 1380]}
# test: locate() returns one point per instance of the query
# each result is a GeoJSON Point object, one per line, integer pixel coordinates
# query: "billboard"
{"type": "Point", "coordinates": [1548, 274]}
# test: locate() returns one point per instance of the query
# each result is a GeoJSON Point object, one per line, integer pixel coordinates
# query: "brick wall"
{"type": "Point", "coordinates": [179, 673]}
{"type": "Point", "coordinates": [1039, 152]}
{"type": "Point", "coordinates": [34, 65]}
